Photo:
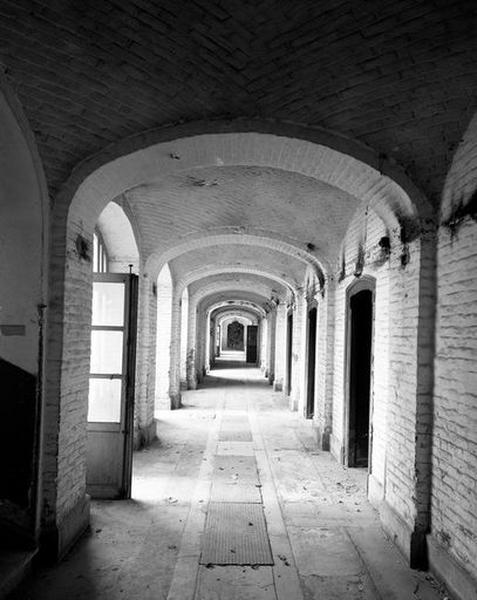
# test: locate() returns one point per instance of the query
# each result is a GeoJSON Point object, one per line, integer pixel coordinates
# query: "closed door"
{"type": "Point", "coordinates": [311, 364]}
{"type": "Point", "coordinates": [111, 385]}
{"type": "Point", "coordinates": [289, 352]}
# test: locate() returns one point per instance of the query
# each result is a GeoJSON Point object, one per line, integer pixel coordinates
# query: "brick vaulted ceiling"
{"type": "Point", "coordinates": [398, 75]}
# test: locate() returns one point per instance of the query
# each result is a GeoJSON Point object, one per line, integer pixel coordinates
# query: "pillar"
{"type": "Point", "coordinates": [280, 346]}
{"type": "Point", "coordinates": [184, 327]}
{"type": "Point", "coordinates": [271, 344]}
{"type": "Point", "coordinates": [192, 350]}
{"type": "Point", "coordinates": [298, 353]}
{"type": "Point", "coordinates": [175, 370]}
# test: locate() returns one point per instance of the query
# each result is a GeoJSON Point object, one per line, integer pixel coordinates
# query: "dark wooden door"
{"type": "Point", "coordinates": [311, 364]}
{"type": "Point", "coordinates": [361, 315]}
{"type": "Point", "coordinates": [289, 352]}
{"type": "Point", "coordinates": [111, 385]}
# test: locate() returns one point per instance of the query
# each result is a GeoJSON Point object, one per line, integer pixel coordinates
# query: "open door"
{"type": "Point", "coordinates": [111, 385]}
{"type": "Point", "coordinates": [361, 328]}
{"type": "Point", "coordinates": [252, 339]}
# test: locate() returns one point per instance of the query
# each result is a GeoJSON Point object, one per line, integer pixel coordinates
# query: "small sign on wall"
{"type": "Point", "coordinates": [12, 329]}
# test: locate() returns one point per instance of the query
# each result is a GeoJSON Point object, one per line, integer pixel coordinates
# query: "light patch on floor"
{"type": "Point", "coordinates": [224, 491]}
{"type": "Point", "coordinates": [235, 468]}
{"type": "Point", "coordinates": [235, 449]}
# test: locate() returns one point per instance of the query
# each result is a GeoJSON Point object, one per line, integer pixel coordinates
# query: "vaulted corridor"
{"type": "Point", "coordinates": [238, 284]}
{"type": "Point", "coordinates": [235, 446]}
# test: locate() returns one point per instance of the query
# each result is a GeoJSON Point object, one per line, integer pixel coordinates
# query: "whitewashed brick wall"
{"type": "Point", "coordinates": [454, 489]}
{"type": "Point", "coordinates": [454, 451]}
{"type": "Point", "coordinates": [323, 417]}
{"type": "Point", "coordinates": [163, 341]}
{"type": "Point", "coordinates": [394, 384]}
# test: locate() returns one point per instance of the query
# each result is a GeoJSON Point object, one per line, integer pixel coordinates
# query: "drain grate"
{"type": "Point", "coordinates": [235, 534]}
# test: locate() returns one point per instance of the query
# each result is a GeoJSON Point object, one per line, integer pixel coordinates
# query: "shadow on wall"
{"type": "Point", "coordinates": [17, 425]}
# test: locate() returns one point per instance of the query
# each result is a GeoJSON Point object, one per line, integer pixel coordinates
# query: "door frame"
{"type": "Point", "coordinates": [313, 305]}
{"type": "Point", "coordinates": [126, 423]}
{"type": "Point", "coordinates": [364, 283]}
{"type": "Point", "coordinates": [289, 352]}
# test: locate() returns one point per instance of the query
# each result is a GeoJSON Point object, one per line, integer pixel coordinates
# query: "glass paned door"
{"type": "Point", "coordinates": [111, 385]}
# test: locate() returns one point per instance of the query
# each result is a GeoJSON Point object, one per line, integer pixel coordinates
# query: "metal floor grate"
{"type": "Point", "coordinates": [231, 435]}
{"type": "Point", "coordinates": [235, 534]}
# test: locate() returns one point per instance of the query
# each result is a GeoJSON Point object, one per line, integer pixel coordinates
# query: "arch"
{"type": "Point", "coordinates": [119, 238]}
{"type": "Point", "coordinates": [260, 294]}
{"type": "Point", "coordinates": [365, 282]}
{"type": "Point", "coordinates": [213, 316]}
{"type": "Point", "coordinates": [241, 305]}
{"type": "Point", "coordinates": [247, 315]}
{"type": "Point", "coordinates": [206, 272]}
{"type": "Point", "coordinates": [323, 154]}
{"type": "Point", "coordinates": [246, 236]}
{"type": "Point", "coordinates": [243, 319]}
{"type": "Point", "coordinates": [24, 239]}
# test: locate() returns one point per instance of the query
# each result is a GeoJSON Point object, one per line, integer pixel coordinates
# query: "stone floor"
{"type": "Point", "coordinates": [325, 539]}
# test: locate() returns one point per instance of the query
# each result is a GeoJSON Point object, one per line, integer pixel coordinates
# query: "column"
{"type": "Point", "coordinates": [175, 374]}
{"type": "Point", "coordinates": [280, 346]}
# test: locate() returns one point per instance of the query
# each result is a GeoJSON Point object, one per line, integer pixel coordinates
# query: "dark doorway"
{"type": "Point", "coordinates": [235, 335]}
{"type": "Point", "coordinates": [289, 352]}
{"type": "Point", "coordinates": [361, 326]}
{"type": "Point", "coordinates": [310, 392]}
{"type": "Point", "coordinates": [252, 338]}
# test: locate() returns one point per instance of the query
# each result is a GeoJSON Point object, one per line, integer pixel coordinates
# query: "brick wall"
{"type": "Point", "coordinates": [454, 451]}
{"type": "Point", "coordinates": [67, 485]}
{"type": "Point", "coordinates": [454, 488]}
{"type": "Point", "coordinates": [324, 364]}
{"type": "Point", "coordinates": [394, 385]}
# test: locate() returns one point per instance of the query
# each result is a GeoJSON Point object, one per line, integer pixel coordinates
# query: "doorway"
{"type": "Point", "coordinates": [311, 363]}
{"type": "Point", "coordinates": [252, 340]}
{"type": "Point", "coordinates": [111, 385]}
{"type": "Point", "coordinates": [289, 352]}
{"type": "Point", "coordinates": [360, 364]}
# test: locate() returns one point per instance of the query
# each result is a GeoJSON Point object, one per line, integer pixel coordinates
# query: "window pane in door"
{"type": "Point", "coordinates": [106, 352]}
{"type": "Point", "coordinates": [104, 401]}
{"type": "Point", "coordinates": [108, 303]}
